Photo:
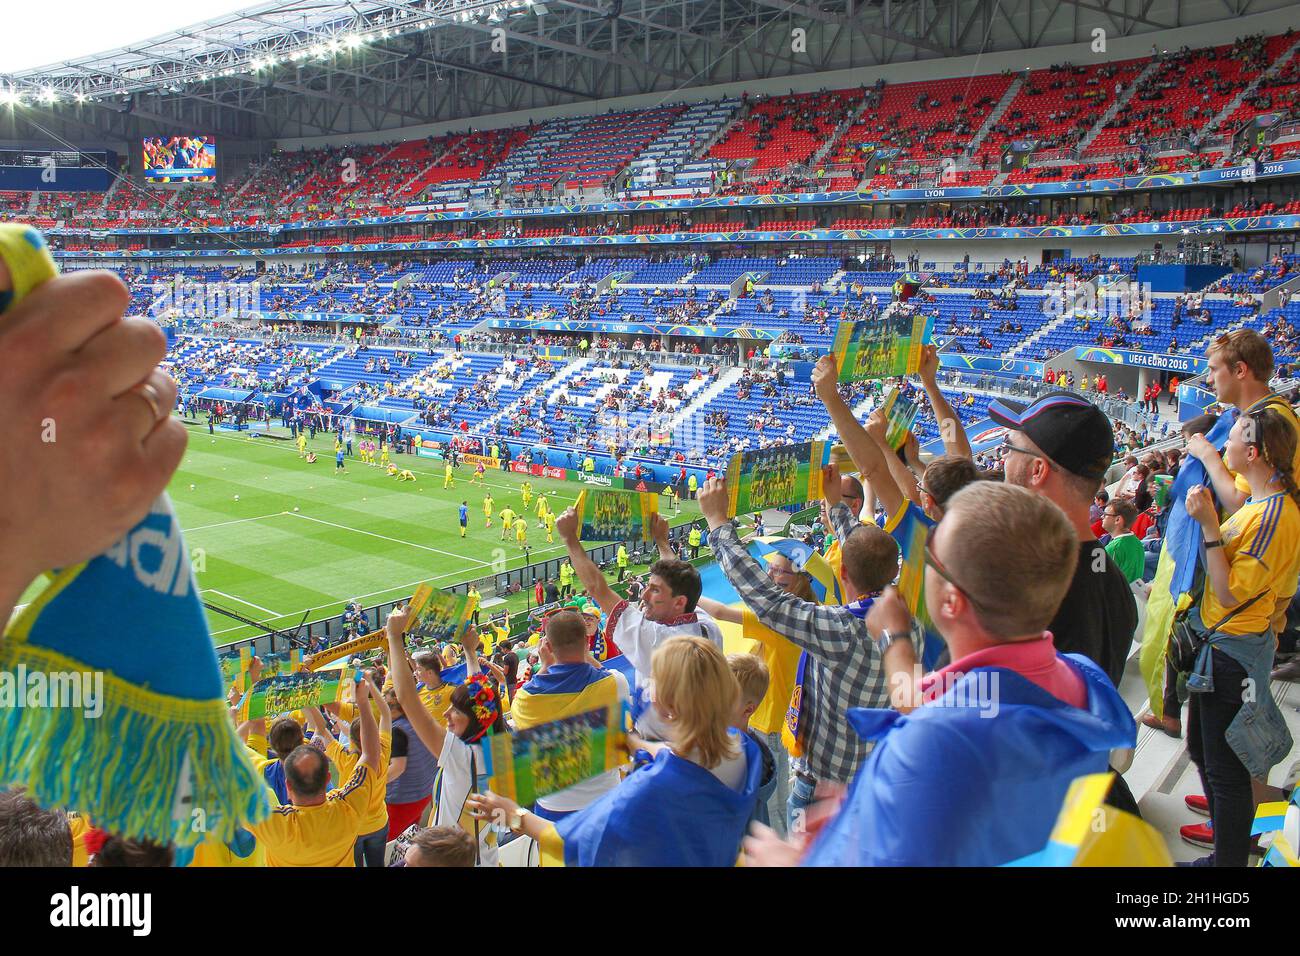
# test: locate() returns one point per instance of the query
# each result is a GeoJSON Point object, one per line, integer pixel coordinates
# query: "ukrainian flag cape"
{"type": "Point", "coordinates": [996, 778]}
{"type": "Point", "coordinates": [161, 761]}
{"type": "Point", "coordinates": [1180, 557]}
{"type": "Point", "coordinates": [669, 813]}
{"type": "Point", "coordinates": [564, 690]}
{"type": "Point", "coordinates": [1089, 832]}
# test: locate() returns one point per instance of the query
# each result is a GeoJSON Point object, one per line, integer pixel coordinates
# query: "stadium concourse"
{"type": "Point", "coordinates": [400, 369]}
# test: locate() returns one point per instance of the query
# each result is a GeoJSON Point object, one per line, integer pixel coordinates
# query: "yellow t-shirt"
{"type": "Point", "coordinates": [1262, 544]}
{"type": "Point", "coordinates": [322, 835]}
{"type": "Point", "coordinates": [79, 827]}
{"type": "Point", "coordinates": [437, 701]}
{"type": "Point", "coordinates": [376, 815]}
{"type": "Point", "coordinates": [214, 853]}
{"type": "Point", "coordinates": [487, 507]}
{"type": "Point", "coordinates": [521, 528]}
{"type": "Point", "coordinates": [782, 660]}
{"type": "Point", "coordinates": [507, 517]}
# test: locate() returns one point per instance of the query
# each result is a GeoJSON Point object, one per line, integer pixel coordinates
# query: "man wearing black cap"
{"type": "Point", "coordinates": [1060, 447]}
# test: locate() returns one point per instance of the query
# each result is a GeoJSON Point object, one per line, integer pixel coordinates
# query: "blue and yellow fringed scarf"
{"type": "Point", "coordinates": [157, 758]}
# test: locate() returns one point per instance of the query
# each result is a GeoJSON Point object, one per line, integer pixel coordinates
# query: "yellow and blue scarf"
{"type": "Point", "coordinates": [162, 760]}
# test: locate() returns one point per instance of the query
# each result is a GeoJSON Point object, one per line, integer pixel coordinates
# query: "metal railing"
{"type": "Point", "coordinates": [331, 630]}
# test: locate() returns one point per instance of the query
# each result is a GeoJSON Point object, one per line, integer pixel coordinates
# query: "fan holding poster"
{"type": "Point", "coordinates": [774, 477]}
{"type": "Point", "coordinates": [900, 412]}
{"type": "Point", "coordinates": [286, 693]}
{"type": "Point", "coordinates": [437, 617]}
{"type": "Point", "coordinates": [615, 515]}
{"type": "Point", "coordinates": [881, 348]}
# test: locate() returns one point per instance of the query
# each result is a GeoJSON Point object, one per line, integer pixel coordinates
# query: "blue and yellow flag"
{"type": "Point", "coordinates": [1090, 832]}
{"type": "Point", "coordinates": [671, 812]}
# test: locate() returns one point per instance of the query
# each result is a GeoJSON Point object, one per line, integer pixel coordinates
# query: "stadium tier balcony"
{"type": "Point", "coordinates": [13, 205]}
{"type": "Point", "coordinates": [465, 159]}
{"type": "Point", "coordinates": [1279, 93]}
{"type": "Point", "coordinates": [596, 150]}
{"type": "Point", "coordinates": [863, 224]}
{"type": "Point", "coordinates": [1074, 171]}
{"type": "Point", "coordinates": [1057, 107]}
{"type": "Point", "coordinates": [922, 120]}
{"type": "Point", "coordinates": [787, 225]}
{"type": "Point", "coordinates": [1278, 270]}
{"type": "Point", "coordinates": [1185, 92]}
{"type": "Point", "coordinates": [968, 177]}
{"type": "Point", "coordinates": [1156, 332]}
{"type": "Point", "coordinates": [802, 271]}
{"type": "Point", "coordinates": [667, 161]}
{"type": "Point", "coordinates": [786, 130]}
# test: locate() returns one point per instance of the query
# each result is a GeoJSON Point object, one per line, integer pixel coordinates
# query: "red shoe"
{"type": "Point", "coordinates": [1169, 725]}
{"type": "Point", "coordinates": [1197, 803]}
{"type": "Point", "coordinates": [1198, 834]}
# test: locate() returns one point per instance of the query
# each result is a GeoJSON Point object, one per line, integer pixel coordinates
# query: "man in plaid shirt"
{"type": "Point", "coordinates": [841, 664]}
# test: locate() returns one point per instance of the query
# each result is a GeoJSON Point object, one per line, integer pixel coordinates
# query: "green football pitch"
{"type": "Point", "coordinates": [302, 539]}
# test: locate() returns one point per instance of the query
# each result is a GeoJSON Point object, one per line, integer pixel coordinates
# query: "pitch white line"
{"type": "Point", "coordinates": [398, 589]}
{"type": "Point", "coordinates": [222, 524]}
{"type": "Point", "coordinates": [384, 537]}
{"type": "Point", "coordinates": [240, 600]}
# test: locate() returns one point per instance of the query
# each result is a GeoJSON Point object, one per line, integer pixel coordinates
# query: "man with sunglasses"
{"type": "Point", "coordinates": [972, 764]}
{"type": "Point", "coordinates": [1060, 447]}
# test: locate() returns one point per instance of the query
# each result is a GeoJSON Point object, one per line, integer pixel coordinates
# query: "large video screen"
{"type": "Point", "coordinates": [180, 159]}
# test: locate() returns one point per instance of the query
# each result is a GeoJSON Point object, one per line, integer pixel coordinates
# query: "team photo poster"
{"type": "Point", "coordinates": [775, 477]}
{"type": "Point", "coordinates": [881, 348]}
{"type": "Point", "coordinates": [553, 756]}
{"type": "Point", "coordinates": [615, 515]}
{"type": "Point", "coordinates": [437, 616]}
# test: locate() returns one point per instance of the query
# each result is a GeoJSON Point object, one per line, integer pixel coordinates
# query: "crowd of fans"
{"type": "Point", "coordinates": [833, 741]}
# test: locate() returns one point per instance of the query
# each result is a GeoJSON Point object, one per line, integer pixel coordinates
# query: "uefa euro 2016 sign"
{"type": "Point", "coordinates": [1182, 364]}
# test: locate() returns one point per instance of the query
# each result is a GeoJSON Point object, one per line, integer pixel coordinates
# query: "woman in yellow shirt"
{"type": "Point", "coordinates": [1252, 563]}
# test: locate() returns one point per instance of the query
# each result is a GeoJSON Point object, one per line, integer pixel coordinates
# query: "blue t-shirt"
{"type": "Point", "coordinates": [464, 514]}
{"type": "Point", "coordinates": [338, 456]}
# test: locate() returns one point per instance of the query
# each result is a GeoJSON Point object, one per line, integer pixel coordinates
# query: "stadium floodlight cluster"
{"type": "Point", "coordinates": [246, 42]}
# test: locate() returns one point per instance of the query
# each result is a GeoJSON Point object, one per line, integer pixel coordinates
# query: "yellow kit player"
{"type": "Point", "coordinates": [302, 444]}
{"type": "Point", "coordinates": [507, 520]}
{"type": "Point", "coordinates": [521, 531]}
{"type": "Point", "coordinates": [448, 479]}
{"type": "Point", "coordinates": [406, 475]}
{"type": "Point", "coordinates": [543, 509]}
{"type": "Point", "coordinates": [383, 455]}
{"type": "Point", "coordinates": [487, 509]}
{"type": "Point", "coordinates": [526, 491]}
{"type": "Point", "coordinates": [550, 527]}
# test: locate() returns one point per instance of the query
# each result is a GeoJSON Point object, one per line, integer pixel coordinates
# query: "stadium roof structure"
{"type": "Point", "coordinates": [304, 68]}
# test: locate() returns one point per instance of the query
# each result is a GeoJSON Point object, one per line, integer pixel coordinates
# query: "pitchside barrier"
{"type": "Point", "coordinates": [501, 585]}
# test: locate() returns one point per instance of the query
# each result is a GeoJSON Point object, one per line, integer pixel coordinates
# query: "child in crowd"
{"type": "Point", "coordinates": [752, 679]}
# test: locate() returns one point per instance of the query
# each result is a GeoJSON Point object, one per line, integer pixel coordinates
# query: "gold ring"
{"type": "Point", "coordinates": [150, 394]}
